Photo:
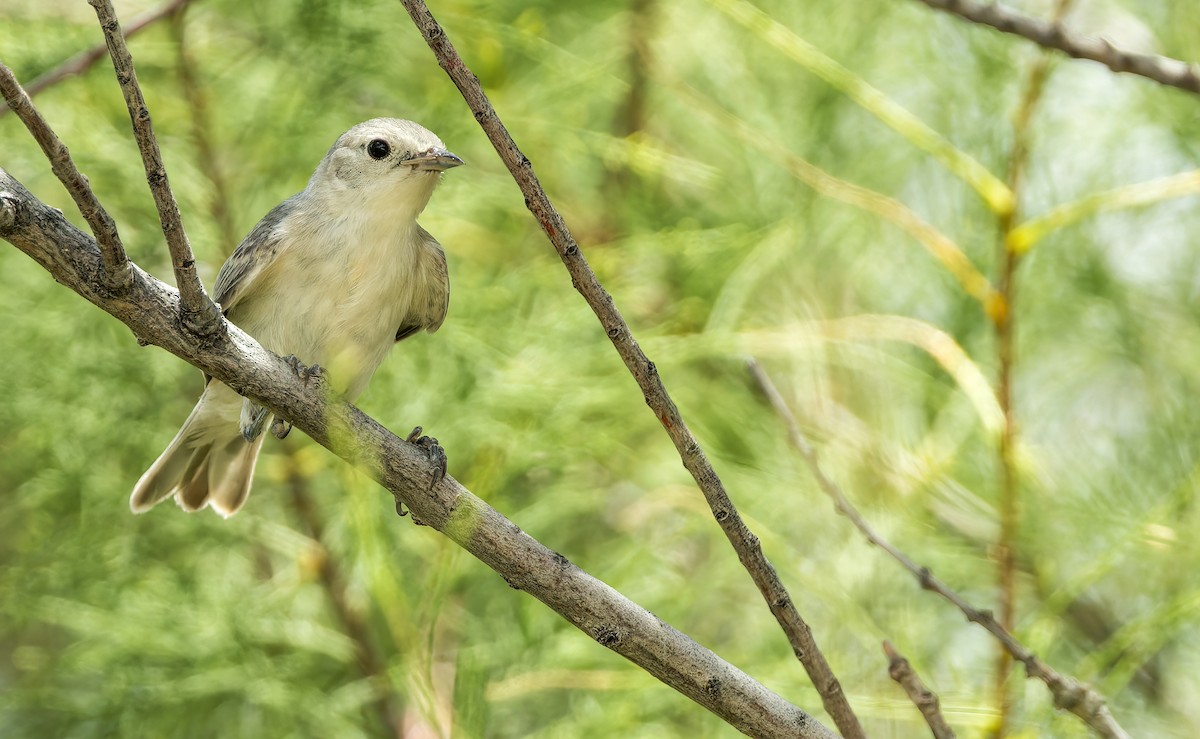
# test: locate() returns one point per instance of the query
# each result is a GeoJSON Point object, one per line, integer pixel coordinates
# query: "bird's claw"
{"type": "Point", "coordinates": [437, 455]}
{"type": "Point", "coordinates": [437, 458]}
{"type": "Point", "coordinates": [281, 428]}
{"type": "Point", "coordinates": [307, 374]}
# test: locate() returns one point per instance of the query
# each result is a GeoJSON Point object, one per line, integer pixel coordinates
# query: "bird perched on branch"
{"type": "Point", "coordinates": [333, 277]}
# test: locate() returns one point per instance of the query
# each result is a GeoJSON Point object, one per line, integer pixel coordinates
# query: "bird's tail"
{"type": "Point", "coordinates": [207, 463]}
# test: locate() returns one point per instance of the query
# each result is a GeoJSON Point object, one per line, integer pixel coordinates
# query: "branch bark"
{"type": "Point", "coordinates": [744, 542]}
{"type": "Point", "coordinates": [152, 310]}
{"type": "Point", "coordinates": [200, 313]}
{"type": "Point", "coordinates": [922, 697]}
{"type": "Point", "coordinates": [1052, 35]}
{"type": "Point", "coordinates": [1069, 694]}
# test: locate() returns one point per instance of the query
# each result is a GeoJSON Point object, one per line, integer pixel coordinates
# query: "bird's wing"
{"type": "Point", "coordinates": [252, 257]}
{"type": "Point", "coordinates": [434, 300]}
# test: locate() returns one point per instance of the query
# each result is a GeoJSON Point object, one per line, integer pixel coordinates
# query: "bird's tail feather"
{"type": "Point", "coordinates": [207, 463]}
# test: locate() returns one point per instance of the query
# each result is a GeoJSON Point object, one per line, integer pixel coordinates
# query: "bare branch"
{"type": "Point", "coordinates": [745, 543]}
{"type": "Point", "coordinates": [152, 308]}
{"type": "Point", "coordinates": [922, 697]}
{"type": "Point", "coordinates": [200, 313]}
{"type": "Point", "coordinates": [84, 60]}
{"type": "Point", "coordinates": [1069, 693]}
{"type": "Point", "coordinates": [1053, 35]}
{"type": "Point", "coordinates": [114, 263]}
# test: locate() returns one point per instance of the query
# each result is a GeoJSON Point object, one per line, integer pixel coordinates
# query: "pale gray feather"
{"type": "Point", "coordinates": [253, 257]}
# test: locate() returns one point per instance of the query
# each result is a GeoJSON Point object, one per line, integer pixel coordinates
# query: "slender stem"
{"type": "Point", "coordinates": [922, 697]}
{"type": "Point", "coordinates": [370, 663]}
{"type": "Point", "coordinates": [1010, 513]}
{"type": "Point", "coordinates": [199, 312]}
{"type": "Point", "coordinates": [744, 542]}
{"type": "Point", "coordinates": [1004, 321]}
{"type": "Point", "coordinates": [84, 60]}
{"type": "Point", "coordinates": [1052, 35]}
{"type": "Point", "coordinates": [630, 116]}
{"type": "Point", "coordinates": [642, 16]}
{"type": "Point", "coordinates": [1069, 694]}
{"type": "Point", "coordinates": [115, 264]}
{"type": "Point", "coordinates": [207, 157]}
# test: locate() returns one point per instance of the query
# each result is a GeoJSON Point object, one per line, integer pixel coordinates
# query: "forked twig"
{"type": "Point", "coordinates": [200, 313]}
{"type": "Point", "coordinates": [115, 264]}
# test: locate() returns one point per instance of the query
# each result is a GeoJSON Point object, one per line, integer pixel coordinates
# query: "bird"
{"type": "Point", "coordinates": [332, 277]}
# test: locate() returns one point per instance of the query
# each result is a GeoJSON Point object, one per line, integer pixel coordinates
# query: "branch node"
{"type": "Point", "coordinates": [607, 637]}
{"type": "Point", "coordinates": [8, 209]}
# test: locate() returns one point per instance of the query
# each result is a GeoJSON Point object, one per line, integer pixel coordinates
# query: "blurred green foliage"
{"type": "Point", "coordinates": [176, 625]}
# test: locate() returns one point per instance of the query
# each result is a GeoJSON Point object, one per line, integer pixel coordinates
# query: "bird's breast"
{"type": "Point", "coordinates": [335, 298]}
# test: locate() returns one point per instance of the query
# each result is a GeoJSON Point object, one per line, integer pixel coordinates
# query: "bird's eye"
{"type": "Point", "coordinates": [378, 149]}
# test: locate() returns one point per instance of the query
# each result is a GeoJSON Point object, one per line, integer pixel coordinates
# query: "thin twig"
{"type": "Point", "coordinates": [745, 543]}
{"type": "Point", "coordinates": [84, 60]}
{"type": "Point", "coordinates": [112, 253]}
{"type": "Point", "coordinates": [199, 312]}
{"type": "Point", "coordinates": [1069, 694]}
{"type": "Point", "coordinates": [1052, 35]}
{"type": "Point", "coordinates": [922, 697]}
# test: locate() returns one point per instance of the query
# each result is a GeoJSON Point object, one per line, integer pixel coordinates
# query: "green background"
{"type": "Point", "coordinates": [668, 135]}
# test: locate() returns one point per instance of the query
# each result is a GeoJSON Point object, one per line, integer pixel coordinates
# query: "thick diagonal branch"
{"type": "Point", "coordinates": [1052, 35]}
{"type": "Point", "coordinates": [151, 309]}
{"type": "Point", "coordinates": [744, 542]}
{"type": "Point", "coordinates": [200, 314]}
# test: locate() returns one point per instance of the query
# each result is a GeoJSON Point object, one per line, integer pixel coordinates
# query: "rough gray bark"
{"type": "Point", "coordinates": [152, 310]}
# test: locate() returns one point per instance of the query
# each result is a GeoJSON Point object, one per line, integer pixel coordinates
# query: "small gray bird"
{"type": "Point", "coordinates": [334, 276]}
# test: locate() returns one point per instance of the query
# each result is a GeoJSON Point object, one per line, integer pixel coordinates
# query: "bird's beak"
{"type": "Point", "coordinates": [433, 160]}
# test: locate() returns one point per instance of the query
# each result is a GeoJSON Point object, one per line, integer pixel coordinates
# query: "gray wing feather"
{"type": "Point", "coordinates": [431, 312]}
{"type": "Point", "coordinates": [255, 253]}
{"type": "Point", "coordinates": [439, 303]}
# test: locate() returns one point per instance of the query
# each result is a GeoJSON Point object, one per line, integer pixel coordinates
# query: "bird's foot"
{"type": "Point", "coordinates": [437, 455]}
{"type": "Point", "coordinates": [281, 428]}
{"type": "Point", "coordinates": [305, 373]}
{"type": "Point", "coordinates": [252, 418]}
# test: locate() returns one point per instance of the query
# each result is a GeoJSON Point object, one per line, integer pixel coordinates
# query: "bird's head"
{"type": "Point", "coordinates": [385, 163]}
